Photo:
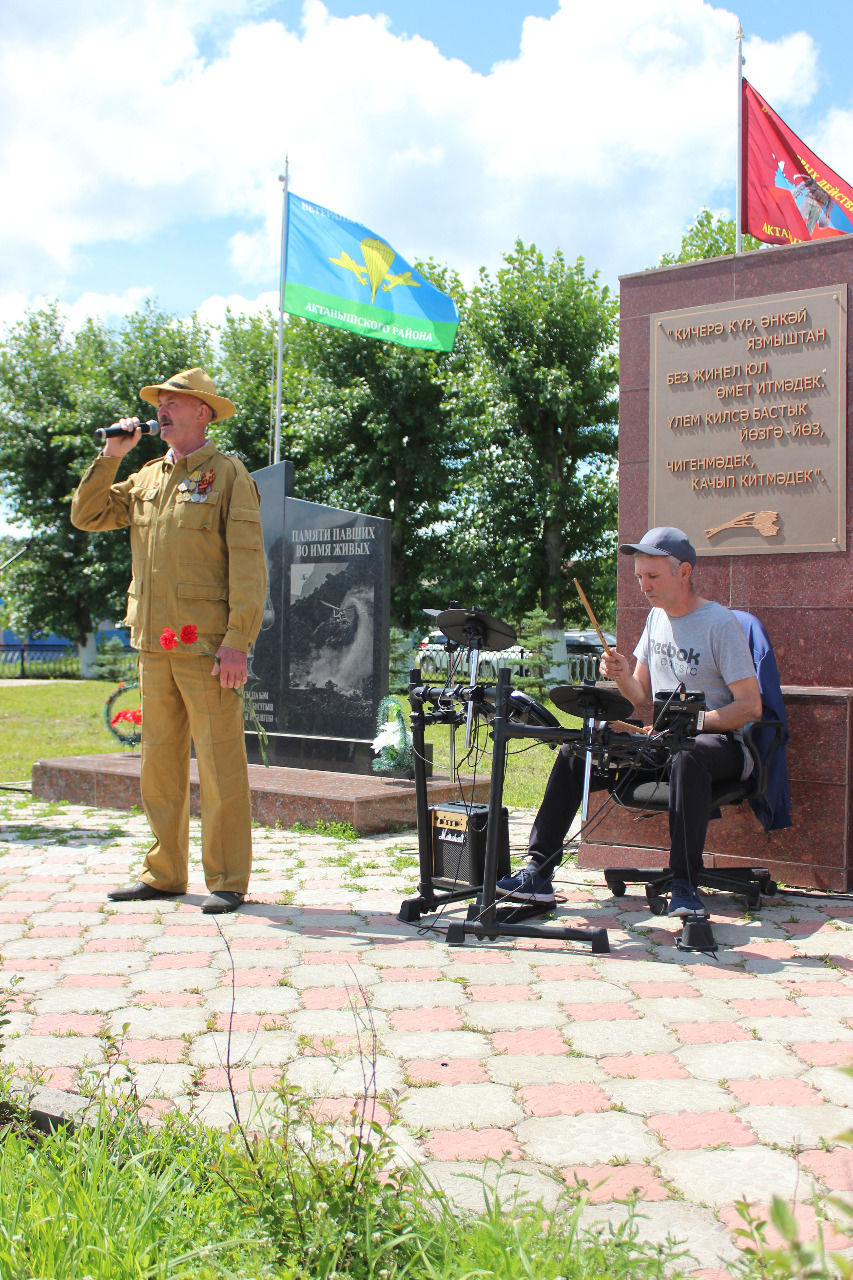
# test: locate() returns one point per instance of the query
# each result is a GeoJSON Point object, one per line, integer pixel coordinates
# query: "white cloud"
{"type": "Point", "coordinates": [107, 307]}
{"type": "Point", "coordinates": [606, 134]}
{"type": "Point", "coordinates": [212, 310]}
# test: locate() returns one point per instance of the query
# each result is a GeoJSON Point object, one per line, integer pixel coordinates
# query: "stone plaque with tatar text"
{"type": "Point", "coordinates": [747, 430]}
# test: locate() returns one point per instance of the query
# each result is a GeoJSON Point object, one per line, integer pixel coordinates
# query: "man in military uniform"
{"type": "Point", "coordinates": [198, 562]}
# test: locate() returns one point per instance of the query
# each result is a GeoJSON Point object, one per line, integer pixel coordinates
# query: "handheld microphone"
{"type": "Point", "coordinates": [151, 427]}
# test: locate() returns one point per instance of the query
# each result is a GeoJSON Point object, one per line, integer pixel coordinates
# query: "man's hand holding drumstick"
{"type": "Point", "coordinates": [615, 666]}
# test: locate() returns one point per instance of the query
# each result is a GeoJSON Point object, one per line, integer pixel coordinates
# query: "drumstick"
{"type": "Point", "coordinates": [622, 726]}
{"type": "Point", "coordinates": [592, 618]}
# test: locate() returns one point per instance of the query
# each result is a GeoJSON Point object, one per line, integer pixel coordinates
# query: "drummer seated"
{"type": "Point", "coordinates": [686, 639]}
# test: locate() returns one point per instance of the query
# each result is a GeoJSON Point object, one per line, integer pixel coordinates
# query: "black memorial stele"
{"type": "Point", "coordinates": [319, 668]}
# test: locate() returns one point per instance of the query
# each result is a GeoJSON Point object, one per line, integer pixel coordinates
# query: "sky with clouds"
{"type": "Point", "coordinates": [142, 139]}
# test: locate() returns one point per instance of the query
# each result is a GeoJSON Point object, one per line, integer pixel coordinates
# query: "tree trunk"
{"type": "Point", "coordinates": [88, 652]}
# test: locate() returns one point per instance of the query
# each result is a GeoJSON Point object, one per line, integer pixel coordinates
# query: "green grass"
{"type": "Point", "coordinates": [65, 718]}
{"type": "Point", "coordinates": [528, 763]}
{"type": "Point", "coordinates": [115, 1199]}
{"type": "Point", "coordinates": [58, 718]}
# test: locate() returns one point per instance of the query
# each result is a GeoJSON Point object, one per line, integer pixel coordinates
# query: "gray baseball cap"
{"type": "Point", "coordinates": [663, 541]}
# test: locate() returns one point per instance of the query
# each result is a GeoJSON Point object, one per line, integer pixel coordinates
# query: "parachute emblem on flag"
{"type": "Point", "coordinates": [378, 258]}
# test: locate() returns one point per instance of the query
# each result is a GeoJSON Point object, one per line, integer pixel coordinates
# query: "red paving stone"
{"type": "Point", "coordinates": [64, 1078]}
{"type": "Point", "coordinates": [49, 1024]}
{"type": "Point", "coordinates": [425, 1020]}
{"type": "Point", "coordinates": [709, 1032]}
{"type": "Point", "coordinates": [768, 1009]}
{"type": "Point", "coordinates": [565, 972]}
{"type": "Point", "coordinates": [767, 951]}
{"type": "Point", "coordinates": [269, 942]}
{"type": "Point", "coordinates": [452, 1071]}
{"type": "Point", "coordinates": [608, 1182]}
{"type": "Point", "coordinates": [259, 1079]}
{"type": "Point", "coordinates": [690, 1130]}
{"type": "Point", "coordinates": [342, 1108]}
{"type": "Point", "coordinates": [54, 931]}
{"type": "Point", "coordinates": [609, 1012]}
{"type": "Point", "coordinates": [538, 1044]}
{"type": "Point", "coordinates": [656, 989]}
{"type": "Point", "coordinates": [838, 1054]}
{"type": "Point", "coordinates": [473, 1144]}
{"type": "Point", "coordinates": [191, 960]}
{"type": "Point", "coordinates": [778, 1092]}
{"type": "Point", "coordinates": [645, 1066]}
{"type": "Point", "coordinates": [328, 998]}
{"type": "Point", "coordinates": [563, 1099]}
{"type": "Point", "coordinates": [154, 1107]}
{"type": "Point", "coordinates": [498, 994]}
{"type": "Point", "coordinates": [806, 928]}
{"type": "Point", "coordinates": [12, 917]}
{"type": "Point", "coordinates": [830, 988]}
{"type": "Point", "coordinates": [153, 1050]}
{"type": "Point", "coordinates": [834, 1168]}
{"type": "Point", "coordinates": [411, 975]}
{"type": "Point", "coordinates": [186, 931]}
{"type": "Point", "coordinates": [258, 977]}
{"type": "Point", "coordinates": [807, 1225]}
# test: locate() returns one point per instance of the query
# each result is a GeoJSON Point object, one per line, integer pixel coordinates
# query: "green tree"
{"type": "Point", "coordinates": [708, 237]}
{"type": "Point", "coordinates": [56, 387]}
{"type": "Point", "coordinates": [371, 427]}
{"type": "Point", "coordinates": [538, 499]}
{"type": "Point", "coordinates": [245, 369]}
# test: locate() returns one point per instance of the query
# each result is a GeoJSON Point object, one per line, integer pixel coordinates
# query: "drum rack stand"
{"type": "Point", "coordinates": [486, 919]}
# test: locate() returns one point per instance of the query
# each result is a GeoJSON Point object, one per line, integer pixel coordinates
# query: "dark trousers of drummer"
{"type": "Point", "coordinates": [716, 757]}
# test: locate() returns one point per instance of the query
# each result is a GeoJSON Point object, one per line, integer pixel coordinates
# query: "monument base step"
{"type": "Point", "coordinates": [368, 802]}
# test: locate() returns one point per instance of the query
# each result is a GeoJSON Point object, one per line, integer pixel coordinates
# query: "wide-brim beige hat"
{"type": "Point", "coordinates": [192, 382]}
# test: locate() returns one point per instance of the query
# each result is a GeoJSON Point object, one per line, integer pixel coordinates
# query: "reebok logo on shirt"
{"type": "Point", "coordinates": [687, 659]}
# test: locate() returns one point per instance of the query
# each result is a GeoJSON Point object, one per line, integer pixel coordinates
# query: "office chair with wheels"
{"type": "Point", "coordinates": [766, 790]}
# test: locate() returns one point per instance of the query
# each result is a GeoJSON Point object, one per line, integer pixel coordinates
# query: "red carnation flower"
{"type": "Point", "coordinates": [168, 639]}
{"type": "Point", "coordinates": [189, 634]}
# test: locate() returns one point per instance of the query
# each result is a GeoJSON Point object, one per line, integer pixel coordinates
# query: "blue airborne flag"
{"type": "Point", "coordinates": [339, 273]}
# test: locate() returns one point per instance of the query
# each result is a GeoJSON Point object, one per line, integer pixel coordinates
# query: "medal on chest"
{"type": "Point", "coordinates": [197, 486]}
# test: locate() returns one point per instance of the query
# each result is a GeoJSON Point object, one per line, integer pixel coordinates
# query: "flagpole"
{"type": "Point", "coordinates": [280, 350]}
{"type": "Point", "coordinates": [739, 195]}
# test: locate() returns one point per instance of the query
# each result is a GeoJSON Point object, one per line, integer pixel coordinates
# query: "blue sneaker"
{"type": "Point", "coordinates": [528, 885]}
{"type": "Point", "coordinates": [684, 901]}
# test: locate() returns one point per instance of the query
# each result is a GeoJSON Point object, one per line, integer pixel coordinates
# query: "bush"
{"type": "Point", "coordinates": [114, 660]}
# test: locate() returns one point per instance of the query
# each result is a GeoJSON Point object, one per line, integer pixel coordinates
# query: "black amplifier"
{"type": "Point", "coordinates": [459, 844]}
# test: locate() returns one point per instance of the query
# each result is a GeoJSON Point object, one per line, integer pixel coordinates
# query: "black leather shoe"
{"type": "Point", "coordinates": [218, 903]}
{"type": "Point", "coordinates": [140, 892]}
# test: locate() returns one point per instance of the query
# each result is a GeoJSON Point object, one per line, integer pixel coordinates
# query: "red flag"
{"type": "Point", "coordinates": [788, 194]}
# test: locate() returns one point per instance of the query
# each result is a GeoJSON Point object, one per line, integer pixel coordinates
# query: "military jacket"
{"type": "Point", "coordinates": [196, 544]}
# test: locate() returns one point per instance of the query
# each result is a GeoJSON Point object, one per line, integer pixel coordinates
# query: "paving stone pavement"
{"type": "Point", "coordinates": [530, 1064]}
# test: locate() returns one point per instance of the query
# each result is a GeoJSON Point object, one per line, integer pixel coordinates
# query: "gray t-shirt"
{"type": "Point", "coordinates": [706, 649]}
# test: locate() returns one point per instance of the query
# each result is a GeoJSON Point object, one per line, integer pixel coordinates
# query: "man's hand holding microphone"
{"type": "Point", "coordinates": [123, 435]}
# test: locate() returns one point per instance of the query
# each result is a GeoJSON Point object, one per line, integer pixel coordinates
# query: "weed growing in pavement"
{"type": "Point", "coordinates": [334, 830]}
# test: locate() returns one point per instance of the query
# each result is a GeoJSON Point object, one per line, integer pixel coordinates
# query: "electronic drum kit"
{"type": "Point", "coordinates": [604, 740]}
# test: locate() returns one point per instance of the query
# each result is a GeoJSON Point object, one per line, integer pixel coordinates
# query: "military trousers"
{"type": "Point", "coordinates": [181, 700]}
